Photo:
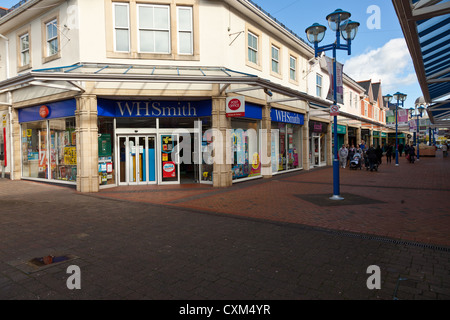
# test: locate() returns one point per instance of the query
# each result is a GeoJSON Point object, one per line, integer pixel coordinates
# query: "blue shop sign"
{"type": "Point", "coordinates": [153, 109]}
{"type": "Point", "coordinates": [60, 109]}
{"type": "Point", "coordinates": [287, 117]}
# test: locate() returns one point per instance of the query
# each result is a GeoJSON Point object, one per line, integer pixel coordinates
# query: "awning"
{"type": "Point", "coordinates": [426, 27]}
{"type": "Point", "coordinates": [70, 78]}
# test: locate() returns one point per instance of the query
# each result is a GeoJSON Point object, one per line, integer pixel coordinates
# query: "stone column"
{"type": "Point", "coordinates": [329, 142]}
{"type": "Point", "coordinates": [266, 142]}
{"type": "Point", "coordinates": [346, 136]}
{"type": "Point", "coordinates": [87, 143]}
{"type": "Point", "coordinates": [306, 145]}
{"type": "Point", "coordinates": [358, 137]}
{"type": "Point", "coordinates": [15, 166]}
{"type": "Point", "coordinates": [222, 176]}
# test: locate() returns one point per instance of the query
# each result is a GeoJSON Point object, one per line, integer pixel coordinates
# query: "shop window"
{"type": "Point", "coordinates": [245, 149]}
{"type": "Point", "coordinates": [121, 27]}
{"type": "Point", "coordinates": [185, 30]}
{"type": "Point", "coordinates": [63, 149]}
{"type": "Point", "coordinates": [154, 28]}
{"type": "Point", "coordinates": [106, 143]}
{"type": "Point", "coordinates": [206, 169]}
{"type": "Point", "coordinates": [286, 147]}
{"type": "Point", "coordinates": [34, 150]}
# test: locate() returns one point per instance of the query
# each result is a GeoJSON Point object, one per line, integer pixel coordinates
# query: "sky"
{"type": "Point", "coordinates": [379, 51]}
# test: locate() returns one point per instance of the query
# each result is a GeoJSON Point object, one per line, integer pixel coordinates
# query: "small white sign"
{"type": "Point", "coordinates": [334, 110]}
{"type": "Point", "coordinates": [235, 106]}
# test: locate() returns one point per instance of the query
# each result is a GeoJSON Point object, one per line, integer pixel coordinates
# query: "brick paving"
{"type": "Point", "coordinates": [256, 240]}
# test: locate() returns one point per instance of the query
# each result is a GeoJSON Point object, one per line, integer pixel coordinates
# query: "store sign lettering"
{"type": "Point", "coordinates": [287, 117]}
{"type": "Point", "coordinates": [154, 109]}
{"type": "Point", "coordinates": [318, 127]}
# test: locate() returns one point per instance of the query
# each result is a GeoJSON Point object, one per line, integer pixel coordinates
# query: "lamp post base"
{"type": "Point", "coordinates": [336, 197]}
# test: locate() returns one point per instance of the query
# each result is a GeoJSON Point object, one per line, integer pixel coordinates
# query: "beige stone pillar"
{"type": "Point", "coordinates": [15, 166]}
{"type": "Point", "coordinates": [266, 136]}
{"type": "Point", "coordinates": [346, 135]}
{"type": "Point", "coordinates": [306, 145]}
{"type": "Point", "coordinates": [87, 143]}
{"type": "Point", "coordinates": [222, 175]}
{"type": "Point", "coordinates": [358, 137]}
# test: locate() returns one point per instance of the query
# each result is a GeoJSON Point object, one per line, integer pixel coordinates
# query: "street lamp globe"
{"type": "Point", "coordinates": [421, 108]}
{"type": "Point", "coordinates": [315, 33]}
{"type": "Point", "coordinates": [338, 19]}
{"type": "Point", "coordinates": [350, 31]}
{"type": "Point", "coordinates": [400, 96]}
{"type": "Point", "coordinates": [387, 98]}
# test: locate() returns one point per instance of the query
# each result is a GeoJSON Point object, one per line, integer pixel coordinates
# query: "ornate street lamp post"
{"type": "Point", "coordinates": [399, 97]}
{"type": "Point", "coordinates": [338, 21]}
{"type": "Point", "coordinates": [418, 114]}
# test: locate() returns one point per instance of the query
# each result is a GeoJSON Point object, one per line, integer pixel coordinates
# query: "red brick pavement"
{"type": "Point", "coordinates": [411, 200]}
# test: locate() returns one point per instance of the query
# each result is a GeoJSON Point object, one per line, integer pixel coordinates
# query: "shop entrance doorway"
{"type": "Point", "coordinates": [137, 159]}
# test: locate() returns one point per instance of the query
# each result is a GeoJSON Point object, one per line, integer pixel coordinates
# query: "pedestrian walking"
{"type": "Point", "coordinates": [411, 154]}
{"type": "Point", "coordinates": [372, 157]}
{"type": "Point", "coordinates": [389, 154]}
{"type": "Point", "coordinates": [400, 149]}
{"type": "Point", "coordinates": [445, 150]}
{"type": "Point", "coordinates": [379, 153]}
{"type": "Point", "coordinates": [343, 154]}
{"type": "Point", "coordinates": [351, 153]}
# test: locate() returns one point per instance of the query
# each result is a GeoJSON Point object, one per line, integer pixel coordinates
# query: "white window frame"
{"type": "Point", "coordinates": [275, 60]}
{"type": "Point", "coordinates": [121, 28]}
{"type": "Point", "coordinates": [22, 51]}
{"type": "Point", "coordinates": [49, 40]}
{"type": "Point", "coordinates": [293, 70]}
{"type": "Point", "coordinates": [319, 86]}
{"type": "Point", "coordinates": [366, 109]}
{"type": "Point", "coordinates": [252, 48]}
{"type": "Point", "coordinates": [179, 31]}
{"type": "Point", "coordinates": [154, 29]}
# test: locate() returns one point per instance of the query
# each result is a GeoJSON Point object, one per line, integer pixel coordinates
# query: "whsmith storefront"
{"type": "Point", "coordinates": [99, 134]}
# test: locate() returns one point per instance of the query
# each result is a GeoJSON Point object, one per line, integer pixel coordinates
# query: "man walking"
{"type": "Point", "coordinates": [343, 154]}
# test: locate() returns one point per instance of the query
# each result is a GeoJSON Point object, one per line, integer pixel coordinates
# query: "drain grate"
{"type": "Point", "coordinates": [388, 240]}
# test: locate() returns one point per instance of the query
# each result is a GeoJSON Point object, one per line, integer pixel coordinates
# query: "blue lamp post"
{"type": "Point", "coordinates": [338, 21]}
{"type": "Point", "coordinates": [418, 114]}
{"type": "Point", "coordinates": [399, 97]}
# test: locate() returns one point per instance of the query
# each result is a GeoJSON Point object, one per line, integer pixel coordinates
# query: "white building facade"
{"type": "Point", "coordinates": [103, 93]}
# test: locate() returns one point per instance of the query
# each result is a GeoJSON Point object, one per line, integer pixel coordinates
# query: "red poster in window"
{"type": "Point", "coordinates": [169, 169]}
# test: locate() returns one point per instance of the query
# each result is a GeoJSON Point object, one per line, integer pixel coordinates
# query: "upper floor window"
{"type": "Point", "coordinates": [252, 48]}
{"type": "Point", "coordinates": [121, 27]}
{"type": "Point", "coordinates": [185, 30]}
{"type": "Point", "coordinates": [293, 68]}
{"type": "Point", "coordinates": [154, 28]}
{"type": "Point", "coordinates": [52, 37]}
{"type": "Point", "coordinates": [318, 85]}
{"type": "Point", "coordinates": [366, 109]}
{"type": "Point", "coordinates": [275, 59]}
{"type": "Point", "coordinates": [24, 50]}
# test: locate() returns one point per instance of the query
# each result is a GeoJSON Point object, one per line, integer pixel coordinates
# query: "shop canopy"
{"type": "Point", "coordinates": [69, 78]}
{"type": "Point", "coordinates": [426, 27]}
